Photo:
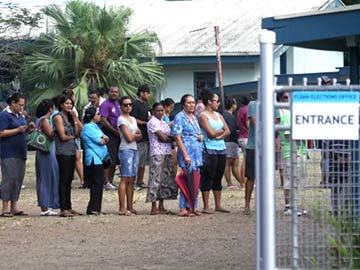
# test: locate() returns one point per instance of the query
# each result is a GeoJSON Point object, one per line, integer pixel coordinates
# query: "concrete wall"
{"type": "Point", "coordinates": [300, 60]}
{"type": "Point", "coordinates": [180, 80]}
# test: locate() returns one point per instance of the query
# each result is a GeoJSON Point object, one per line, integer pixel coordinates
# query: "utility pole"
{"type": "Point", "coordinates": [219, 67]}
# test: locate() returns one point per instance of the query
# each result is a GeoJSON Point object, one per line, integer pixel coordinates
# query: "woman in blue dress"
{"type": "Point", "coordinates": [189, 141]}
{"type": "Point", "coordinates": [47, 169]}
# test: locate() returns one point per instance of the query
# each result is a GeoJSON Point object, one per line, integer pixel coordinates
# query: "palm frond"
{"type": "Point", "coordinates": [139, 44]}
{"type": "Point", "coordinates": [61, 23]}
{"type": "Point", "coordinates": [127, 89]}
{"type": "Point", "coordinates": [46, 64]}
{"type": "Point", "coordinates": [35, 96]}
{"type": "Point", "coordinates": [89, 45]}
{"type": "Point", "coordinates": [81, 94]}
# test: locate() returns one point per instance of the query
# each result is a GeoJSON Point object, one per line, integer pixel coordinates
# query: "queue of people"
{"type": "Point", "coordinates": [132, 137]}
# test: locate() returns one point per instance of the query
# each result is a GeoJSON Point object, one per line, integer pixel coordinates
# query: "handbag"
{"type": "Point", "coordinates": [38, 141]}
{"type": "Point", "coordinates": [107, 161]}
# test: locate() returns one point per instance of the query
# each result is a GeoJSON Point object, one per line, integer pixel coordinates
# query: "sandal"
{"type": "Point", "coordinates": [164, 212]}
{"type": "Point", "coordinates": [186, 214]}
{"type": "Point", "coordinates": [132, 211]}
{"type": "Point", "coordinates": [66, 213]}
{"type": "Point", "coordinates": [142, 185]}
{"type": "Point", "coordinates": [75, 213]}
{"type": "Point", "coordinates": [183, 214]}
{"type": "Point", "coordinates": [20, 213]}
{"type": "Point", "coordinates": [93, 213]}
{"type": "Point", "coordinates": [222, 210]}
{"type": "Point", "coordinates": [207, 212]}
{"type": "Point", "coordinates": [6, 214]}
{"type": "Point", "coordinates": [126, 213]}
{"type": "Point", "coordinates": [233, 187]}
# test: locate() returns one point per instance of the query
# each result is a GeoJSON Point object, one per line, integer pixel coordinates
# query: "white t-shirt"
{"type": "Point", "coordinates": [132, 126]}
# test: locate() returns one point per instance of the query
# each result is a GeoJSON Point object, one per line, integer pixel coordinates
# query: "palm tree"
{"type": "Point", "coordinates": [89, 48]}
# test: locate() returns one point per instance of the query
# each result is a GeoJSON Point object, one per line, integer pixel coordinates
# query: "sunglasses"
{"type": "Point", "coordinates": [285, 97]}
{"type": "Point", "coordinates": [127, 104]}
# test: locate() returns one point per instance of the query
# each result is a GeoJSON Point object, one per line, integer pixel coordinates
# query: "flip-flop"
{"type": "Point", "coordinates": [20, 213]}
{"type": "Point", "coordinates": [185, 214]}
{"type": "Point", "coordinates": [6, 214]}
{"type": "Point", "coordinates": [222, 210]}
{"type": "Point", "coordinates": [126, 213]}
{"type": "Point", "coordinates": [197, 213]}
{"type": "Point", "coordinates": [75, 213]}
{"type": "Point", "coordinates": [207, 212]}
{"type": "Point", "coordinates": [164, 212]}
{"type": "Point", "coordinates": [66, 213]}
{"type": "Point", "coordinates": [133, 211]}
{"type": "Point", "coordinates": [142, 185]}
{"type": "Point", "coordinates": [92, 213]}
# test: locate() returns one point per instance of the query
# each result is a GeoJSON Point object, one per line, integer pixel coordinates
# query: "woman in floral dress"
{"type": "Point", "coordinates": [161, 185]}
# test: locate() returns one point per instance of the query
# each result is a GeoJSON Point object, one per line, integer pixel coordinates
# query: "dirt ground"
{"type": "Point", "coordinates": [219, 241]}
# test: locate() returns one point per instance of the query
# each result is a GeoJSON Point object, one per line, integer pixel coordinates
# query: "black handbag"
{"type": "Point", "coordinates": [107, 162]}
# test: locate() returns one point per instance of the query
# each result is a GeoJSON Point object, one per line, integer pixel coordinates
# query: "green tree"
{"type": "Point", "coordinates": [16, 27]}
{"type": "Point", "coordinates": [91, 47]}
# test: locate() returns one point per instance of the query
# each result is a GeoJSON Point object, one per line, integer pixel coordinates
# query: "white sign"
{"type": "Point", "coordinates": [331, 115]}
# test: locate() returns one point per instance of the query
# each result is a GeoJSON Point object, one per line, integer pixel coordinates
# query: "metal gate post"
{"type": "Point", "coordinates": [267, 152]}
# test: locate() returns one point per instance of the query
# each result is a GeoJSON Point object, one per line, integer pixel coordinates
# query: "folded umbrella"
{"type": "Point", "coordinates": [189, 182]}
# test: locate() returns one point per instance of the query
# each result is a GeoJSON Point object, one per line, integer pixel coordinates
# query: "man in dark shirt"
{"type": "Point", "coordinates": [232, 147]}
{"type": "Point", "coordinates": [141, 112]}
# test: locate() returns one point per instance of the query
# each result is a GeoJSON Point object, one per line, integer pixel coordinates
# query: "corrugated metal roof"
{"type": "Point", "coordinates": [186, 28]}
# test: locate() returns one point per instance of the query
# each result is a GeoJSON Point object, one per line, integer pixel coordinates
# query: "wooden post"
{"type": "Point", "coordinates": [219, 67]}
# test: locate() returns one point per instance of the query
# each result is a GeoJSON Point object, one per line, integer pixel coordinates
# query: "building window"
{"type": "Point", "coordinates": [204, 80]}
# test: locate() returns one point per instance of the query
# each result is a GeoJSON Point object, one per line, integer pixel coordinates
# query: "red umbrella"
{"type": "Point", "coordinates": [189, 182]}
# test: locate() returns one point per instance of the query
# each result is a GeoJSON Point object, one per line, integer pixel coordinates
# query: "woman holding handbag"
{"type": "Point", "coordinates": [95, 150]}
{"type": "Point", "coordinates": [47, 169]}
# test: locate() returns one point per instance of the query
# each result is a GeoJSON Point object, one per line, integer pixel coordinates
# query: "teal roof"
{"type": "Point", "coordinates": [335, 30]}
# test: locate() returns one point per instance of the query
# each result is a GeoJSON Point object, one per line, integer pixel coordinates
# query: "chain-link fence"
{"type": "Point", "coordinates": [316, 200]}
